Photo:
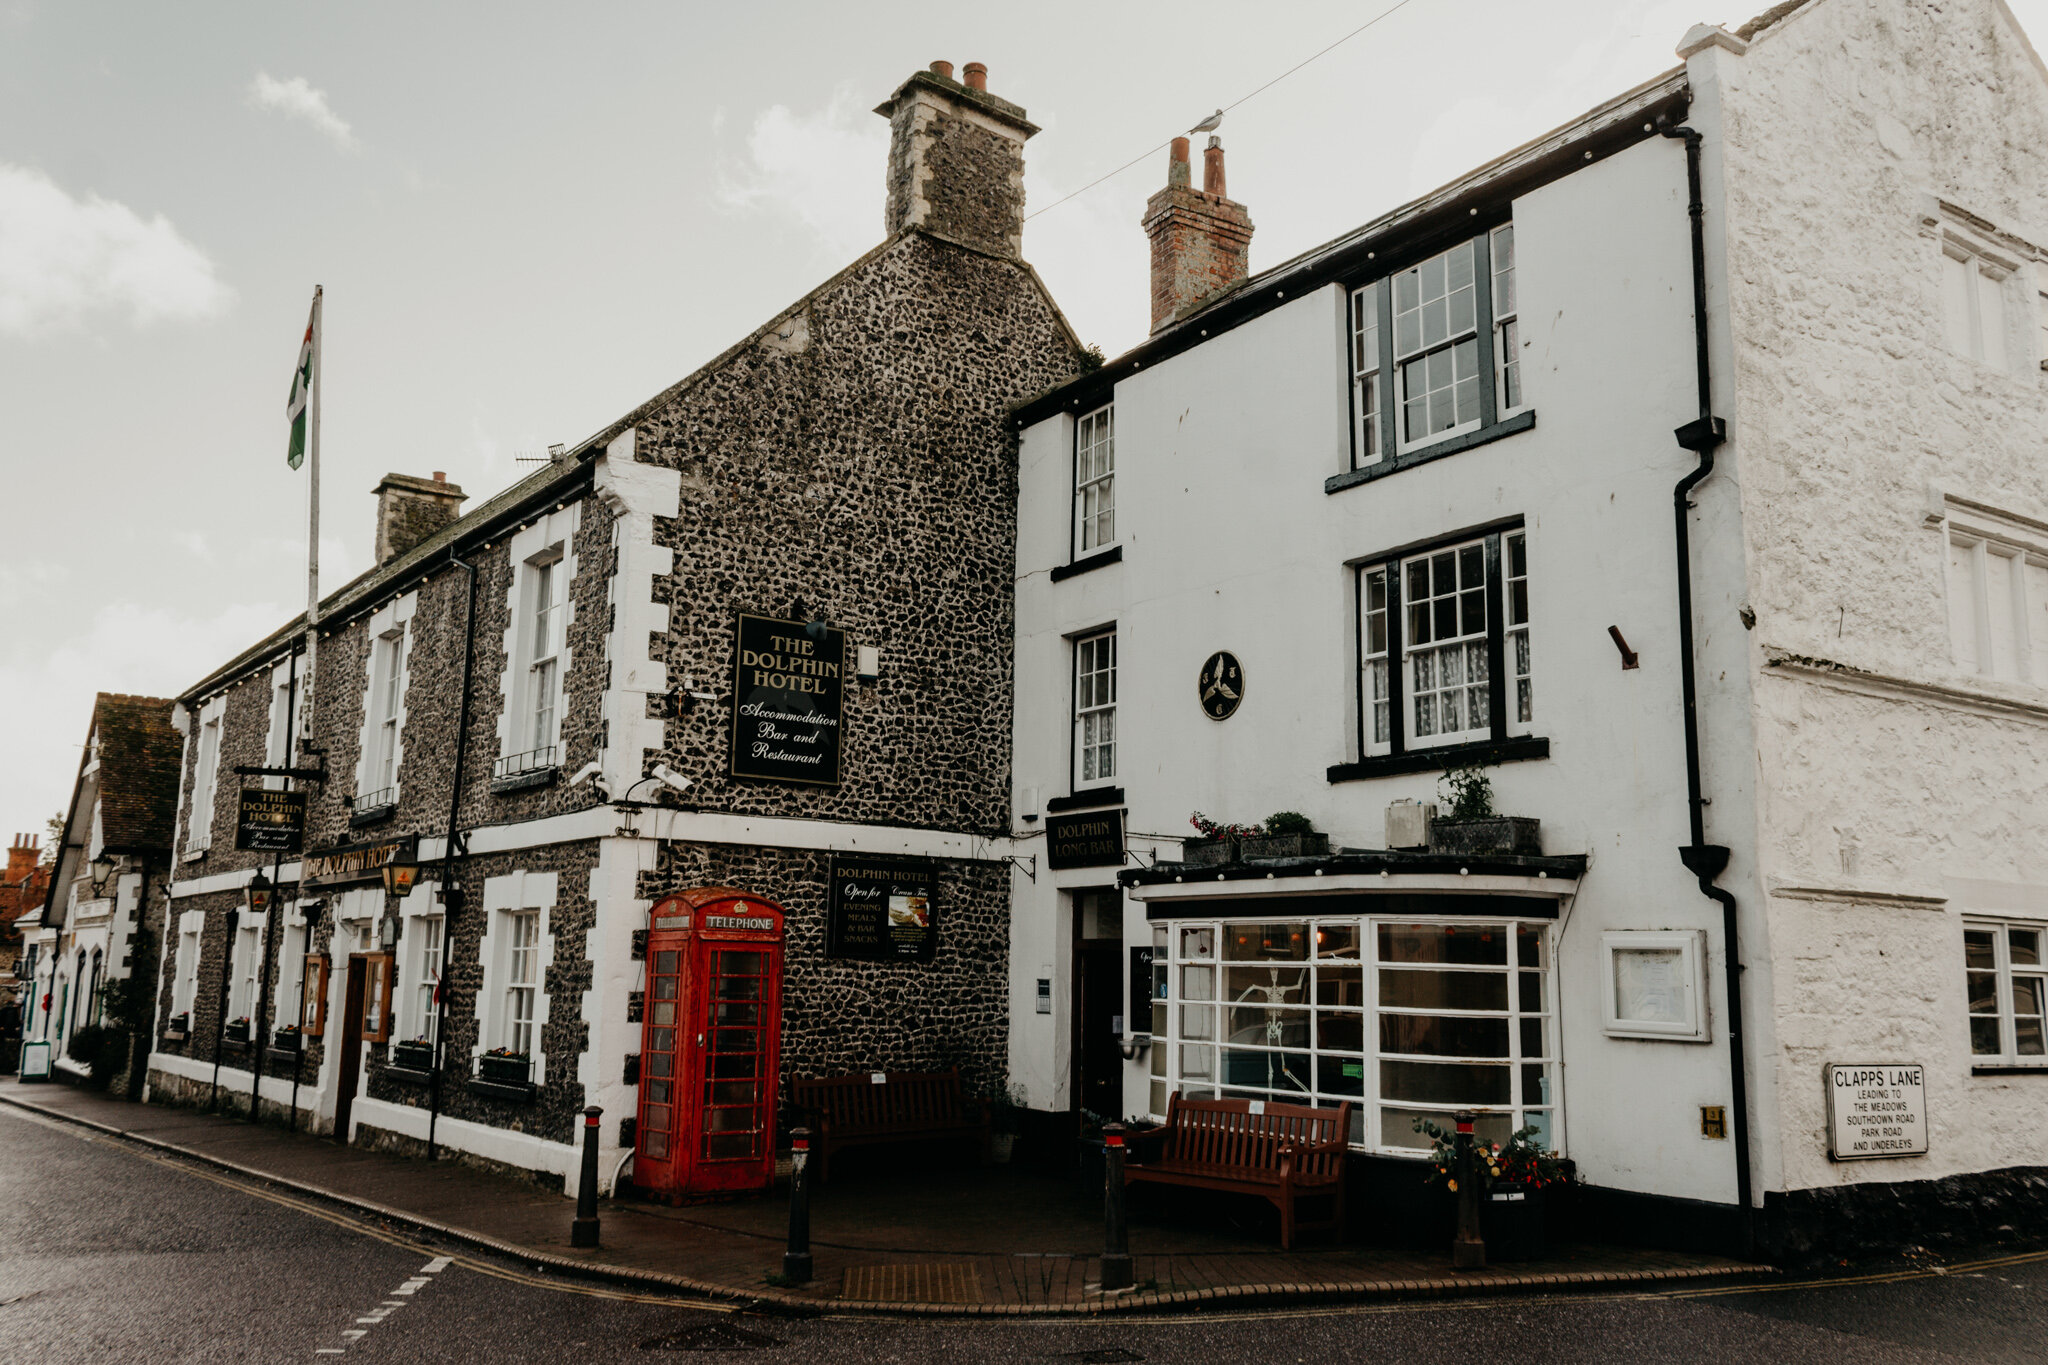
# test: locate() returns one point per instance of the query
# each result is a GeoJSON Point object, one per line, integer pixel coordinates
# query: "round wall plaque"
{"type": "Point", "coordinates": [1221, 685]}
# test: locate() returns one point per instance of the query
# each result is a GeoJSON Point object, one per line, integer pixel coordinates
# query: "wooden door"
{"type": "Point", "coordinates": [349, 1064]}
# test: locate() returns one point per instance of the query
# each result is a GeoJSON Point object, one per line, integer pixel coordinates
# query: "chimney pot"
{"type": "Point", "coordinates": [943, 69]}
{"type": "Point", "coordinates": [977, 76]}
{"type": "Point", "coordinates": [1177, 164]}
{"type": "Point", "coordinates": [440, 476]}
{"type": "Point", "coordinates": [1212, 168]}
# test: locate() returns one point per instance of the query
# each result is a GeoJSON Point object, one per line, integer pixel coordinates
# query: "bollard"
{"type": "Point", "coordinates": [1468, 1248]}
{"type": "Point", "coordinates": [796, 1261]}
{"type": "Point", "coordinates": [1116, 1250]}
{"type": "Point", "coordinates": [583, 1232]}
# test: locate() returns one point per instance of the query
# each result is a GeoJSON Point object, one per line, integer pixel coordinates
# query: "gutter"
{"type": "Point", "coordinates": [1706, 861]}
{"type": "Point", "coordinates": [451, 895]}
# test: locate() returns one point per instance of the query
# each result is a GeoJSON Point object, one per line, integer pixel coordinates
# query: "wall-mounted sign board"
{"type": "Point", "coordinates": [1095, 839]}
{"type": "Point", "coordinates": [270, 821]}
{"type": "Point", "coordinates": [883, 909]}
{"type": "Point", "coordinates": [1876, 1109]}
{"type": "Point", "coordinates": [787, 689]}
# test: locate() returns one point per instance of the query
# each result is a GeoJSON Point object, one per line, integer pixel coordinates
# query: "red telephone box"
{"type": "Point", "coordinates": [711, 1045]}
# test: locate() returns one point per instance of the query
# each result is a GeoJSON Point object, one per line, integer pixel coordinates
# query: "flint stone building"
{"type": "Point", "coordinates": [1770, 969]}
{"type": "Point", "coordinates": [519, 673]}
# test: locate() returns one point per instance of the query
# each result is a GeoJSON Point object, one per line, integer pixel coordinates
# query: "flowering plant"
{"type": "Point", "coordinates": [1521, 1158]}
{"type": "Point", "coordinates": [1212, 830]}
{"type": "Point", "coordinates": [500, 1052]}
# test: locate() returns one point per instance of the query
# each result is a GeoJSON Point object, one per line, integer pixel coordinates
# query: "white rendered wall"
{"type": "Point", "coordinates": [1899, 792]}
{"type": "Point", "coordinates": [1231, 543]}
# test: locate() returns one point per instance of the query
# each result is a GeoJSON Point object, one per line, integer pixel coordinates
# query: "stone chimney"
{"type": "Point", "coordinates": [409, 509]}
{"type": "Point", "coordinates": [1201, 239]}
{"type": "Point", "coordinates": [956, 159]}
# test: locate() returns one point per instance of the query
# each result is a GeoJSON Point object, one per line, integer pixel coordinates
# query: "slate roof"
{"type": "Point", "coordinates": [140, 755]}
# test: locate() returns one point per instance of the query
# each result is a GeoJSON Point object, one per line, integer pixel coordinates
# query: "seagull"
{"type": "Point", "coordinates": [1209, 124]}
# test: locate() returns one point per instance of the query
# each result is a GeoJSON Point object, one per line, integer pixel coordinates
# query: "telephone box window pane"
{"type": "Point", "coordinates": [727, 1146]}
{"type": "Point", "coordinates": [660, 1064]}
{"type": "Point", "coordinates": [664, 1040]}
{"type": "Point", "coordinates": [665, 1013]}
{"type": "Point", "coordinates": [730, 1066]}
{"type": "Point", "coordinates": [739, 988]}
{"type": "Point", "coordinates": [742, 964]}
{"type": "Point", "coordinates": [729, 1120]}
{"type": "Point", "coordinates": [733, 1092]}
{"type": "Point", "coordinates": [665, 963]}
{"type": "Point", "coordinates": [732, 1012]}
{"type": "Point", "coordinates": [657, 1092]}
{"type": "Point", "coordinates": [734, 1040]}
{"type": "Point", "coordinates": [664, 988]}
{"type": "Point", "coordinates": [655, 1144]}
{"type": "Point", "coordinates": [660, 1116]}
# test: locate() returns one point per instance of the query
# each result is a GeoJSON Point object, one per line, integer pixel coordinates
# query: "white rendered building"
{"type": "Point", "coordinates": [1748, 607]}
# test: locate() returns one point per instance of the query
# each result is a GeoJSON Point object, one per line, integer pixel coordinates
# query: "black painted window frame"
{"type": "Point", "coordinates": [1499, 745]}
{"type": "Point", "coordinates": [1493, 424]}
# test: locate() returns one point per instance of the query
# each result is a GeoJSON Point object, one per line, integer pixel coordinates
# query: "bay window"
{"type": "Point", "coordinates": [1407, 1018]}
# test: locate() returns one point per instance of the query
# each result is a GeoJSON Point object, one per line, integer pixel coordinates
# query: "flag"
{"type": "Point", "coordinates": [302, 388]}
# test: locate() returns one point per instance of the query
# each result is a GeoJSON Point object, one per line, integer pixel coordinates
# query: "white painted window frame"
{"type": "Point", "coordinates": [1095, 481]}
{"type": "Point", "coordinates": [1091, 707]}
{"type": "Point", "coordinates": [1511, 393]}
{"type": "Point", "coordinates": [185, 983]}
{"type": "Point", "coordinates": [1690, 945]}
{"type": "Point", "coordinates": [245, 967]}
{"type": "Point", "coordinates": [1987, 275]}
{"type": "Point", "coordinates": [505, 896]}
{"type": "Point", "coordinates": [2007, 974]}
{"type": "Point", "coordinates": [384, 705]}
{"type": "Point", "coordinates": [1974, 534]}
{"type": "Point", "coordinates": [205, 775]}
{"type": "Point", "coordinates": [549, 541]}
{"type": "Point", "coordinates": [277, 743]}
{"type": "Point", "coordinates": [1425, 347]}
{"type": "Point", "coordinates": [420, 967]}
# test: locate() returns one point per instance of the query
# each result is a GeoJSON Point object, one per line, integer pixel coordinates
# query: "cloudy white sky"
{"type": "Point", "coordinates": [529, 218]}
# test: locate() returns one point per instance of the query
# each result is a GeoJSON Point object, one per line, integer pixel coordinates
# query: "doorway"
{"type": "Point", "coordinates": [1098, 1025]}
{"type": "Point", "coordinates": [349, 1066]}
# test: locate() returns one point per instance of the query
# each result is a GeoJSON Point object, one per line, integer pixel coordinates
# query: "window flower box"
{"type": "Point", "coordinates": [417, 1055]}
{"type": "Point", "coordinates": [1284, 846]}
{"type": "Point", "coordinates": [1493, 835]}
{"type": "Point", "coordinates": [287, 1039]}
{"type": "Point", "coordinates": [504, 1068]}
{"type": "Point", "coordinates": [237, 1031]}
{"type": "Point", "coordinates": [178, 1028]}
{"type": "Point", "coordinates": [1208, 852]}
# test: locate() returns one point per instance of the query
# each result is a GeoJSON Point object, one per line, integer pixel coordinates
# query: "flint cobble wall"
{"type": "Point", "coordinates": [840, 1017]}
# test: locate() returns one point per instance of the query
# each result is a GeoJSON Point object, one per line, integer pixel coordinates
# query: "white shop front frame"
{"type": "Point", "coordinates": [1410, 994]}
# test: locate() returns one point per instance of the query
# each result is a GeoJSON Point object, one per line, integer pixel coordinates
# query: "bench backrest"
{"type": "Point", "coordinates": [902, 1099]}
{"type": "Point", "coordinates": [1227, 1133]}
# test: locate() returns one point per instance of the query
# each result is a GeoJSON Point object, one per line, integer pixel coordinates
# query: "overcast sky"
{"type": "Point", "coordinates": [530, 218]}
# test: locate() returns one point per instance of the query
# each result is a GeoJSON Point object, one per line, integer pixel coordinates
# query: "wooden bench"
{"type": "Point", "coordinates": [1281, 1154]}
{"type": "Point", "coordinates": [888, 1106]}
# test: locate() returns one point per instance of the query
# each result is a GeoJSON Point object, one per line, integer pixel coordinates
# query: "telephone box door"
{"type": "Point", "coordinates": [711, 1044]}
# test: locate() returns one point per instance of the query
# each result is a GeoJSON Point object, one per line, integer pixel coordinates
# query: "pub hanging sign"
{"type": "Point", "coordinates": [883, 909]}
{"type": "Point", "coordinates": [787, 692]}
{"type": "Point", "coordinates": [1095, 839]}
{"type": "Point", "coordinates": [270, 821]}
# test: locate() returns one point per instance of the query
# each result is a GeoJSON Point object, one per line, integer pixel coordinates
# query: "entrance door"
{"type": "Point", "coordinates": [349, 1065]}
{"type": "Point", "coordinates": [736, 1113]}
{"type": "Point", "coordinates": [1099, 988]}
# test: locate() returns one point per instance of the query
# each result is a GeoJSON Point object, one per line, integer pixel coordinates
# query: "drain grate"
{"type": "Point", "coordinates": [711, 1336]}
{"type": "Point", "coordinates": [1108, 1355]}
{"type": "Point", "coordinates": [939, 1283]}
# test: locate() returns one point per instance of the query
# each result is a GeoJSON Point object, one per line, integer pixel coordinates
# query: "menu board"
{"type": "Point", "coordinates": [883, 909]}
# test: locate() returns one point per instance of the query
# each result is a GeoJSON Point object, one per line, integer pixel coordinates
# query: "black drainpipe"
{"type": "Point", "coordinates": [1704, 860]}
{"type": "Point", "coordinates": [451, 894]}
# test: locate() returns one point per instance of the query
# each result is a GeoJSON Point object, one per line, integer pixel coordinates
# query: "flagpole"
{"type": "Point", "coordinates": [313, 525]}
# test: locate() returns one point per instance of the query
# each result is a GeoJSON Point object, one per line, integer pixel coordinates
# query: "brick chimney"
{"type": "Point", "coordinates": [410, 509]}
{"type": "Point", "coordinates": [22, 856]}
{"type": "Point", "coordinates": [956, 159]}
{"type": "Point", "coordinates": [1201, 239]}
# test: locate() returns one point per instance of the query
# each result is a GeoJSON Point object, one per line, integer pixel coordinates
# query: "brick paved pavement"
{"type": "Point", "coordinates": [945, 1240]}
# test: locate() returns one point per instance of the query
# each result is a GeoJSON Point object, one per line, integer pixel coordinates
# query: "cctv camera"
{"type": "Point", "coordinates": [670, 777]}
{"type": "Point", "coordinates": [588, 771]}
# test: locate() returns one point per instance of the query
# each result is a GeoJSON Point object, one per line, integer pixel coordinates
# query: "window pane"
{"type": "Point", "coordinates": [1337, 940]}
{"type": "Point", "coordinates": [1340, 987]}
{"type": "Point", "coordinates": [1984, 1037]}
{"type": "Point", "coordinates": [2027, 1037]}
{"type": "Point", "coordinates": [1198, 983]}
{"type": "Point", "coordinates": [1532, 1038]}
{"type": "Point", "coordinates": [1284, 941]}
{"type": "Point", "coordinates": [1980, 949]}
{"type": "Point", "coordinates": [1438, 1035]}
{"type": "Point", "coordinates": [2023, 946]}
{"type": "Point", "coordinates": [1444, 990]}
{"type": "Point", "coordinates": [1257, 1025]}
{"type": "Point", "coordinates": [1275, 1071]}
{"type": "Point", "coordinates": [1266, 985]}
{"type": "Point", "coordinates": [1397, 1126]}
{"type": "Point", "coordinates": [1198, 944]}
{"type": "Point", "coordinates": [1450, 944]}
{"type": "Point", "coordinates": [1340, 1076]}
{"type": "Point", "coordinates": [1444, 1082]}
{"type": "Point", "coordinates": [1198, 1021]}
{"type": "Point", "coordinates": [1983, 992]}
{"type": "Point", "coordinates": [1340, 1032]}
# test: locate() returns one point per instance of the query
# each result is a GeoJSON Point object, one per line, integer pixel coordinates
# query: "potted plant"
{"type": "Point", "coordinates": [504, 1066]}
{"type": "Point", "coordinates": [1218, 843]}
{"type": "Point", "coordinates": [1006, 1117]}
{"type": "Point", "coordinates": [417, 1055]}
{"type": "Point", "coordinates": [1470, 826]}
{"type": "Point", "coordinates": [1516, 1179]}
{"type": "Point", "coordinates": [287, 1039]}
{"type": "Point", "coordinates": [1287, 834]}
{"type": "Point", "coordinates": [178, 1027]}
{"type": "Point", "coordinates": [237, 1030]}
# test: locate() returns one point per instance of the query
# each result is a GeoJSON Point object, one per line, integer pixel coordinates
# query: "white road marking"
{"type": "Point", "coordinates": [437, 1265]}
{"type": "Point", "coordinates": [387, 1307]}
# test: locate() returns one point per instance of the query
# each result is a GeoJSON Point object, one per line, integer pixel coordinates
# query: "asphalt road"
{"type": "Point", "coordinates": [112, 1253]}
